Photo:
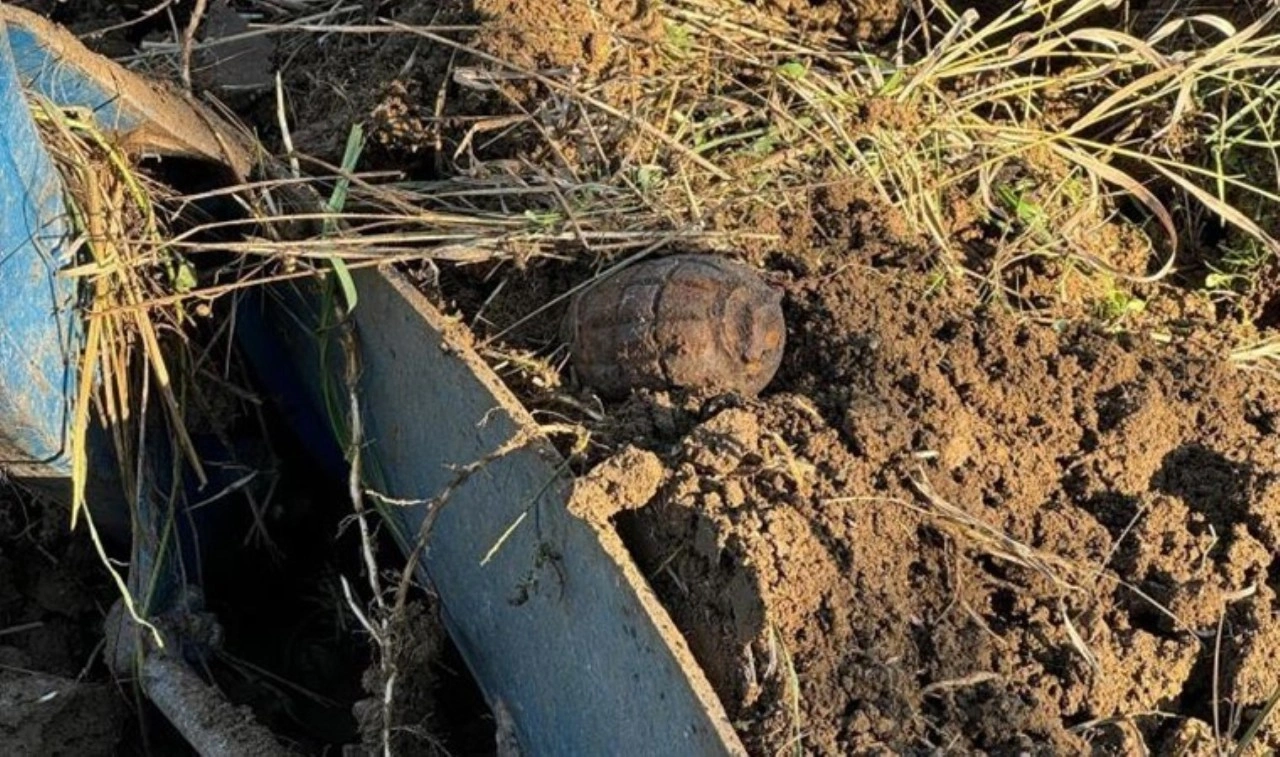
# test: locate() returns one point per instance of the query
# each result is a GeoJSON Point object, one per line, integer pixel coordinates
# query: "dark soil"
{"type": "Point", "coordinates": [55, 695]}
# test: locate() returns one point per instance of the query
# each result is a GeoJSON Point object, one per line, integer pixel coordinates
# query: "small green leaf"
{"type": "Point", "coordinates": [892, 84]}
{"type": "Point", "coordinates": [1218, 281]}
{"type": "Point", "coordinates": [648, 176]}
{"type": "Point", "coordinates": [345, 281]}
{"type": "Point", "coordinates": [184, 279]}
{"type": "Point", "coordinates": [680, 38]}
{"type": "Point", "coordinates": [767, 142]}
{"type": "Point", "coordinates": [793, 70]}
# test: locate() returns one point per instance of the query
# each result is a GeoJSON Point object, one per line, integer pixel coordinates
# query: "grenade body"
{"type": "Point", "coordinates": [693, 322]}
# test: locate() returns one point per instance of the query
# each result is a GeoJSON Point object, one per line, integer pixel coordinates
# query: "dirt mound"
{"type": "Point", "coordinates": [56, 697]}
{"type": "Point", "coordinates": [954, 529]}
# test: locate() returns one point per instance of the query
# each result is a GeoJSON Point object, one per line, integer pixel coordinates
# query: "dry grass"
{"type": "Point", "coordinates": [1263, 355]}
{"type": "Point", "coordinates": [1030, 144]}
{"type": "Point", "coordinates": [1046, 126]}
{"type": "Point", "coordinates": [113, 211]}
{"type": "Point", "coordinates": [1026, 139]}
{"type": "Point", "coordinates": [1029, 138]}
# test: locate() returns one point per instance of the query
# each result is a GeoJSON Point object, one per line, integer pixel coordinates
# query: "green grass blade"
{"type": "Point", "coordinates": [337, 201]}
{"type": "Point", "coordinates": [1247, 739]}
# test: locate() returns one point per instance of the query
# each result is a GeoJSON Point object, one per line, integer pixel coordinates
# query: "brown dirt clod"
{"type": "Point", "coordinates": [826, 597]}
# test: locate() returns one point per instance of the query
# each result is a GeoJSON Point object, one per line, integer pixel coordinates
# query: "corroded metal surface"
{"type": "Point", "coordinates": [687, 321]}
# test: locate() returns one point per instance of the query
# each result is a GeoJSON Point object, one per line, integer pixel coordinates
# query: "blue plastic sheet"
{"type": "Point", "coordinates": [38, 326]}
{"type": "Point", "coordinates": [40, 323]}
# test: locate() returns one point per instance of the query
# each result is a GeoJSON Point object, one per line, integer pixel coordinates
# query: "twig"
{"type": "Point", "coordinates": [438, 502]}
{"type": "Point", "coordinates": [286, 136]}
{"type": "Point", "coordinates": [189, 39]}
{"type": "Point", "coordinates": [146, 14]}
{"type": "Point", "coordinates": [995, 542]}
{"type": "Point", "coordinates": [1217, 701]}
{"type": "Point", "coordinates": [211, 724]}
{"type": "Point", "coordinates": [973, 679]}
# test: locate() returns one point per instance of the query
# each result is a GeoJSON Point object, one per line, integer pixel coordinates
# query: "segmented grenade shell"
{"type": "Point", "coordinates": [687, 321]}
